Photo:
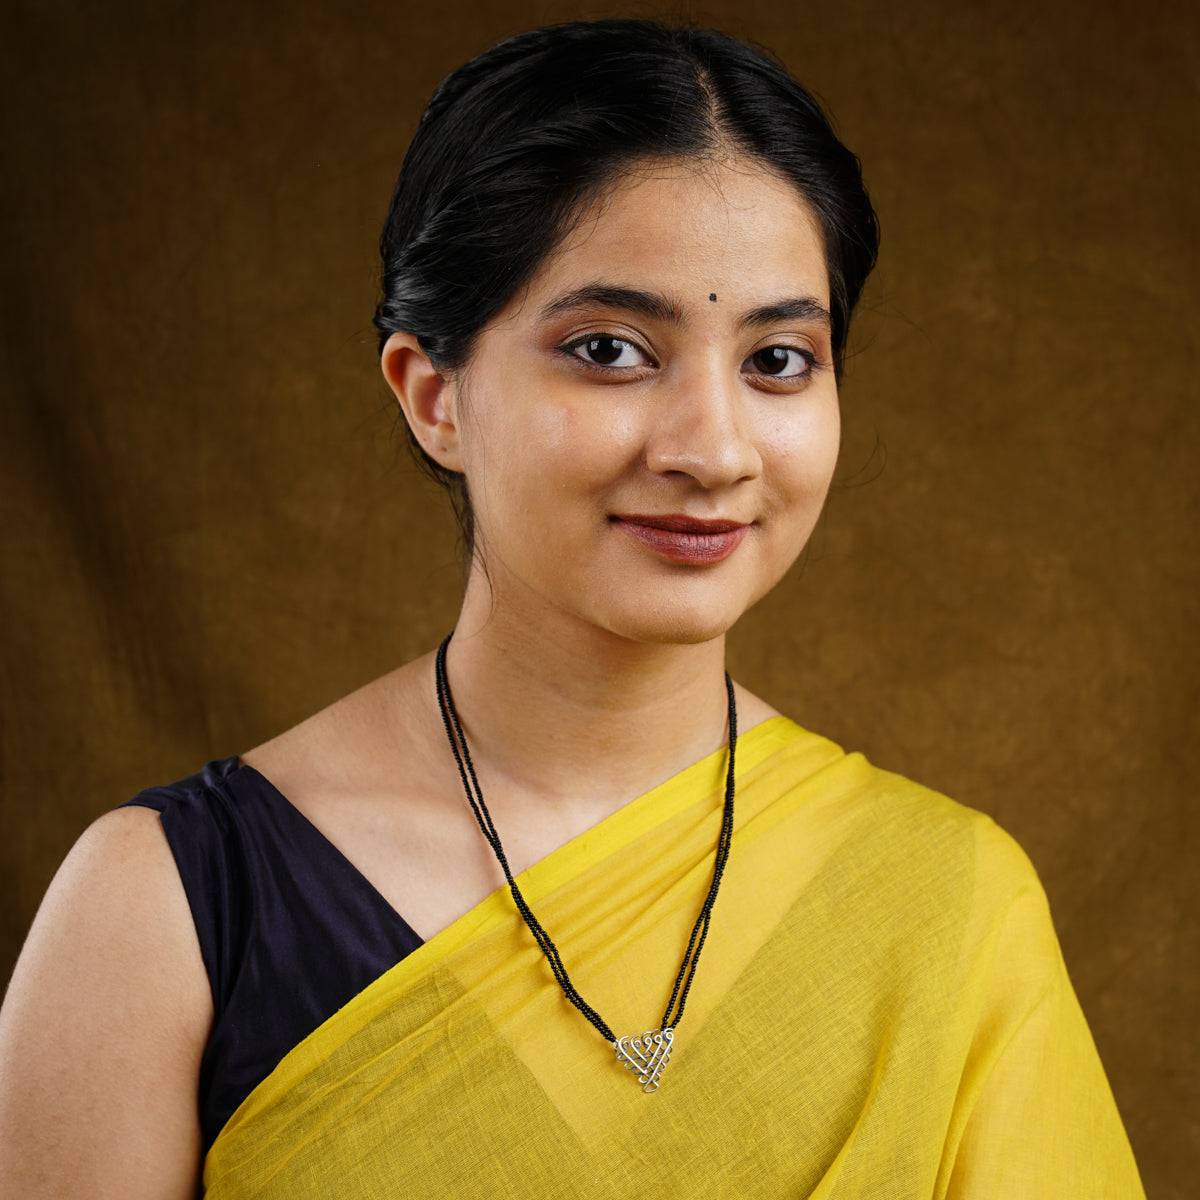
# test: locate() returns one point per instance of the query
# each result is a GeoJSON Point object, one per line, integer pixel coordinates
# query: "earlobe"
{"type": "Point", "coordinates": [426, 398]}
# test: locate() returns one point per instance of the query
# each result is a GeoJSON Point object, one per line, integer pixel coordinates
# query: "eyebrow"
{"type": "Point", "coordinates": [659, 306]}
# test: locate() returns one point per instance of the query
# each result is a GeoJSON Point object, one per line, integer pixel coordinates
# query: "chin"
{"type": "Point", "coordinates": [668, 623]}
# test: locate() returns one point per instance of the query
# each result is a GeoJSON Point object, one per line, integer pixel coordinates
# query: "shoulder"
{"type": "Point", "coordinates": [118, 878]}
{"type": "Point", "coordinates": [120, 892]}
{"type": "Point", "coordinates": [108, 1003]}
{"type": "Point", "coordinates": [346, 735]}
{"type": "Point", "coordinates": [384, 738]}
{"type": "Point", "coordinates": [937, 834]}
{"type": "Point", "coordinates": [953, 876]}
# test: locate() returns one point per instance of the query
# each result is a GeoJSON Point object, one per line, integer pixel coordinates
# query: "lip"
{"type": "Point", "coordinates": [683, 539]}
{"type": "Point", "coordinates": [681, 522]}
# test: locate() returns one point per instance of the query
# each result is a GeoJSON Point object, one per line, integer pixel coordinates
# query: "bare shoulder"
{"type": "Point", "coordinates": [109, 1004]}
{"type": "Point", "coordinates": [367, 726]}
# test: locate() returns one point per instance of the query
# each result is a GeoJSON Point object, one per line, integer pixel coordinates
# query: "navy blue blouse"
{"type": "Point", "coordinates": [290, 930]}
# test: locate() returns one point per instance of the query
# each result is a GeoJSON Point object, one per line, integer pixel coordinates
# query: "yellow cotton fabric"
{"type": "Point", "coordinates": [881, 1009]}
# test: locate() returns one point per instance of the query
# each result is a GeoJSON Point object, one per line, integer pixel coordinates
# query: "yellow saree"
{"type": "Point", "coordinates": [880, 1010]}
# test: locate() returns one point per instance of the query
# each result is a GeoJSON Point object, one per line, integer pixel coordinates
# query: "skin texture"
{"type": "Point", "coordinates": [589, 656]}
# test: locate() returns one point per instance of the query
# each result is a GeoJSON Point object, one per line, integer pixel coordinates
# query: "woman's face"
{"type": "Point", "coordinates": [575, 413]}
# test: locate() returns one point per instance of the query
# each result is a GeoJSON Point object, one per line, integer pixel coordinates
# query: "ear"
{"type": "Point", "coordinates": [427, 399]}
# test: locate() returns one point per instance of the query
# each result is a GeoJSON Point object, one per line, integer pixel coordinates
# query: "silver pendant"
{"type": "Point", "coordinates": [646, 1054]}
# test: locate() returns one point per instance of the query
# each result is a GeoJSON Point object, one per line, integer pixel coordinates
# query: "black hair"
{"type": "Point", "coordinates": [520, 140]}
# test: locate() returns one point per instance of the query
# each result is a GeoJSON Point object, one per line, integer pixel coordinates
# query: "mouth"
{"type": "Point", "coordinates": [683, 539]}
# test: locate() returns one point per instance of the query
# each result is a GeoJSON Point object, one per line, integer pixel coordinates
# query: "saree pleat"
{"type": "Point", "coordinates": [881, 1009]}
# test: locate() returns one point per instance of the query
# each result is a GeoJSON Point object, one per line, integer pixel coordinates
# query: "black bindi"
{"type": "Point", "coordinates": [712, 295]}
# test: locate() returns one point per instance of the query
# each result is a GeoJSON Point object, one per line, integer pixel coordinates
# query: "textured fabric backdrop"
{"type": "Point", "coordinates": [212, 528]}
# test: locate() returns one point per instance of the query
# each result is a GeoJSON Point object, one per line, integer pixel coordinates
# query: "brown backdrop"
{"type": "Point", "coordinates": [212, 530]}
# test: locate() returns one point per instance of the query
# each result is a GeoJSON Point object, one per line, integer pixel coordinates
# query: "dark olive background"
{"type": "Point", "coordinates": [212, 527]}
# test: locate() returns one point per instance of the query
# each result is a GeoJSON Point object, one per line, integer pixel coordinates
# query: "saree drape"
{"type": "Point", "coordinates": [881, 1009]}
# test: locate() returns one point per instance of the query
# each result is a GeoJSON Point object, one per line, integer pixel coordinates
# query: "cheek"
{"type": "Point", "coordinates": [824, 444]}
{"type": "Point", "coordinates": [799, 460]}
{"type": "Point", "coordinates": [556, 462]}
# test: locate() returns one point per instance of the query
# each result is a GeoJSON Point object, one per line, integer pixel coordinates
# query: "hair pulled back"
{"type": "Point", "coordinates": [519, 141]}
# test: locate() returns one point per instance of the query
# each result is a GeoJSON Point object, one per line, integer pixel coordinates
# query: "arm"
{"type": "Point", "coordinates": [103, 1025]}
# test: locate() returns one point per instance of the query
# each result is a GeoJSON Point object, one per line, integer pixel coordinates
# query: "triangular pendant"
{"type": "Point", "coordinates": [646, 1054]}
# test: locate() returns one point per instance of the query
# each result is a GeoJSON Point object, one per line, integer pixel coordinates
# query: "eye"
{"type": "Point", "coordinates": [772, 361]}
{"type": "Point", "coordinates": [776, 357]}
{"type": "Point", "coordinates": [600, 344]}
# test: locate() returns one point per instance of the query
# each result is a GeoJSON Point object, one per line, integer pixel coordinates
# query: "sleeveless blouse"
{"type": "Point", "coordinates": [289, 929]}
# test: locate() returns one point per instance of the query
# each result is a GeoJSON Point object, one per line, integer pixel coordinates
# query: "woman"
{"type": "Point", "coordinates": [558, 907]}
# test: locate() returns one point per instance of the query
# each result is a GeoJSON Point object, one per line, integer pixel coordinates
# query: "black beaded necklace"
{"type": "Point", "coordinates": [646, 1054]}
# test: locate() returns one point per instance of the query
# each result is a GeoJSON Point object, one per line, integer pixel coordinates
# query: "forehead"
{"type": "Point", "coordinates": [734, 229]}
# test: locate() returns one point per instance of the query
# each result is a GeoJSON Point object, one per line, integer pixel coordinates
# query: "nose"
{"type": "Point", "coordinates": [701, 423]}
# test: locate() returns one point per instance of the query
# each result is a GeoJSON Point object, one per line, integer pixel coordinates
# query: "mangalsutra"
{"type": "Point", "coordinates": [645, 1054]}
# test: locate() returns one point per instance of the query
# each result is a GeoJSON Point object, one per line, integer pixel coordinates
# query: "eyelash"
{"type": "Point", "coordinates": [567, 349]}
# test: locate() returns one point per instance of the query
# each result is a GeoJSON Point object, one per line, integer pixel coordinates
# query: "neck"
{"type": "Point", "coordinates": [558, 709]}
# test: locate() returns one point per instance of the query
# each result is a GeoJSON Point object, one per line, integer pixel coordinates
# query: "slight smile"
{"type": "Point", "coordinates": [683, 539]}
